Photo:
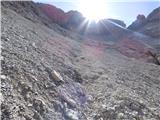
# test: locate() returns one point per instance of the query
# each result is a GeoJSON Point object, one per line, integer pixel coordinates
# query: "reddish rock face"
{"type": "Point", "coordinates": [70, 20]}
{"type": "Point", "coordinates": [74, 20]}
{"type": "Point", "coordinates": [135, 49]}
{"type": "Point", "coordinates": [56, 14]}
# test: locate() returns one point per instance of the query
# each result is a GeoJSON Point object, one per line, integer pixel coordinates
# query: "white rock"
{"type": "Point", "coordinates": [2, 58]}
{"type": "Point", "coordinates": [57, 76]}
{"type": "Point", "coordinates": [29, 105]}
{"type": "Point", "coordinates": [120, 115]}
{"type": "Point", "coordinates": [3, 77]}
{"type": "Point", "coordinates": [101, 118]}
{"type": "Point", "coordinates": [104, 106]}
{"type": "Point", "coordinates": [1, 97]}
{"type": "Point", "coordinates": [134, 113]}
{"type": "Point", "coordinates": [34, 45]}
{"type": "Point", "coordinates": [22, 36]}
{"type": "Point", "coordinates": [90, 98]}
{"type": "Point", "coordinates": [73, 115]}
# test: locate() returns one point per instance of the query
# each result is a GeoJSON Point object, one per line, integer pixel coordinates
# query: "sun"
{"type": "Point", "coordinates": [93, 9]}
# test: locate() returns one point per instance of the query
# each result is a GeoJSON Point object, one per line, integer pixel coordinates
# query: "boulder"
{"type": "Point", "coordinates": [57, 76]}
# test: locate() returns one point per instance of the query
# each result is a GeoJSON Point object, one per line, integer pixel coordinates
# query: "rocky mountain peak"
{"type": "Point", "coordinates": [141, 17]}
{"type": "Point", "coordinates": [149, 25]}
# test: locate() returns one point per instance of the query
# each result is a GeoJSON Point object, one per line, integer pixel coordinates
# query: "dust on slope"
{"type": "Point", "coordinates": [30, 53]}
{"type": "Point", "coordinates": [122, 88]}
{"type": "Point", "coordinates": [118, 87]}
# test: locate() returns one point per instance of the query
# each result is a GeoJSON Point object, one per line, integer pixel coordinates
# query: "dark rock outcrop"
{"type": "Point", "coordinates": [149, 26]}
{"type": "Point", "coordinates": [28, 10]}
{"type": "Point", "coordinates": [119, 22]}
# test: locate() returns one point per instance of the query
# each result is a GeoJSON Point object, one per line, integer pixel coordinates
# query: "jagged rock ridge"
{"type": "Point", "coordinates": [150, 25]}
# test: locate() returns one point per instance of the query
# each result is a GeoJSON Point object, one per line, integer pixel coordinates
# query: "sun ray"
{"type": "Point", "coordinates": [93, 9]}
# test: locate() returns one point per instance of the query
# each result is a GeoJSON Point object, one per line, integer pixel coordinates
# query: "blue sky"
{"type": "Point", "coordinates": [125, 10]}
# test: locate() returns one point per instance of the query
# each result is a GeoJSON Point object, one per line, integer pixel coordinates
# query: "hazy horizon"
{"type": "Point", "coordinates": [124, 10]}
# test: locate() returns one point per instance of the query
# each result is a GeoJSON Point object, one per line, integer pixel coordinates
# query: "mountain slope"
{"type": "Point", "coordinates": [98, 82]}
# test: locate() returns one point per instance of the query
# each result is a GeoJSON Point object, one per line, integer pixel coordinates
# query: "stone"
{"type": "Point", "coordinates": [1, 57]}
{"type": "Point", "coordinates": [134, 113]}
{"type": "Point", "coordinates": [71, 114]}
{"type": "Point", "coordinates": [29, 105]}
{"type": "Point", "coordinates": [3, 77]}
{"type": "Point", "coordinates": [28, 95]}
{"type": "Point", "coordinates": [90, 98]}
{"type": "Point", "coordinates": [120, 115]}
{"type": "Point", "coordinates": [104, 106]}
{"type": "Point", "coordinates": [39, 106]}
{"type": "Point", "coordinates": [57, 76]}
{"type": "Point", "coordinates": [34, 45]}
{"type": "Point", "coordinates": [1, 97]}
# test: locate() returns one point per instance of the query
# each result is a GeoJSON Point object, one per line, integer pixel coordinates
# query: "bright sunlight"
{"type": "Point", "coordinates": [93, 9]}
